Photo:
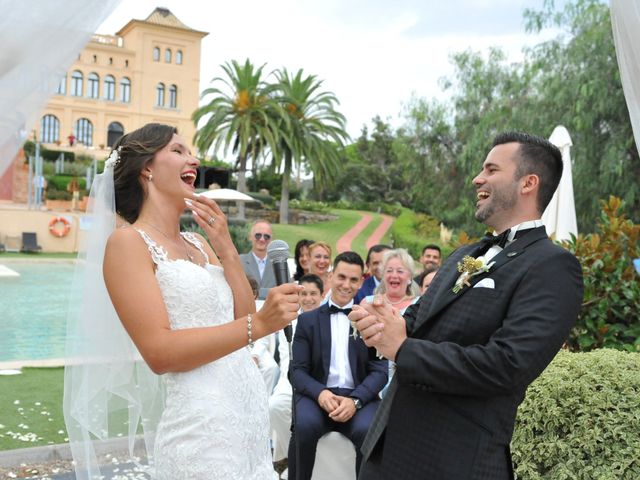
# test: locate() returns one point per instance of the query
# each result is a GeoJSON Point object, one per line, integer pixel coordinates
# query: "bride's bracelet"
{"type": "Point", "coordinates": [249, 333]}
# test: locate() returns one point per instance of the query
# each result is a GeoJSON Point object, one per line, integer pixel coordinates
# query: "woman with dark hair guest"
{"type": "Point", "coordinates": [187, 310]}
{"type": "Point", "coordinates": [302, 258]}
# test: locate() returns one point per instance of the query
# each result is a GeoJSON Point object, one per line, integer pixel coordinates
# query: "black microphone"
{"type": "Point", "coordinates": [278, 253]}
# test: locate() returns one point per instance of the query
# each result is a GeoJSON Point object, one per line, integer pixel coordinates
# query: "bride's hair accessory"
{"type": "Point", "coordinates": [114, 158]}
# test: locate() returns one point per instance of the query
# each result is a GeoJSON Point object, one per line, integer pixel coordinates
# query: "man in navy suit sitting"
{"type": "Point", "coordinates": [374, 266]}
{"type": "Point", "coordinates": [336, 378]}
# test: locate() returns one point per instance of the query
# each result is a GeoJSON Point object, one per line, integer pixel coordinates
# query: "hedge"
{"type": "Point", "coordinates": [413, 231]}
{"type": "Point", "coordinates": [581, 419]}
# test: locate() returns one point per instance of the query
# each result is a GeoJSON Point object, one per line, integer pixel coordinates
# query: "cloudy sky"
{"type": "Point", "coordinates": [372, 54]}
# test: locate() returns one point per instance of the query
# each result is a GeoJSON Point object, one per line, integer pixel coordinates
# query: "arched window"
{"type": "Point", "coordinates": [93, 85]}
{"type": "Point", "coordinates": [76, 83]}
{"type": "Point", "coordinates": [173, 96]}
{"type": "Point", "coordinates": [167, 55]}
{"type": "Point", "coordinates": [49, 129]}
{"type": "Point", "coordinates": [125, 90]}
{"type": "Point", "coordinates": [156, 54]}
{"type": "Point", "coordinates": [160, 95]}
{"type": "Point", "coordinates": [83, 131]}
{"type": "Point", "coordinates": [179, 57]}
{"type": "Point", "coordinates": [62, 86]}
{"type": "Point", "coordinates": [114, 132]}
{"type": "Point", "coordinates": [109, 87]}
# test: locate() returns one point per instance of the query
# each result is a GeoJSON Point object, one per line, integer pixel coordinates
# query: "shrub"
{"type": "Point", "coordinates": [393, 210]}
{"type": "Point", "coordinates": [414, 230]}
{"type": "Point", "coordinates": [60, 182]}
{"type": "Point", "coordinates": [309, 205]}
{"type": "Point", "coordinates": [580, 419]}
{"type": "Point", "coordinates": [29, 148]}
{"type": "Point", "coordinates": [610, 311]}
{"type": "Point", "coordinates": [52, 194]}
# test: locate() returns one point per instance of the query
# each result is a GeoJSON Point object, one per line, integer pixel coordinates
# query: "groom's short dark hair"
{"type": "Point", "coordinates": [538, 156]}
{"type": "Point", "coordinates": [349, 257]}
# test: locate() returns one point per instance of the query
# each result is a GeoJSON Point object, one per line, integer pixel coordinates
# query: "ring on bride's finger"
{"type": "Point", "coordinates": [211, 220]}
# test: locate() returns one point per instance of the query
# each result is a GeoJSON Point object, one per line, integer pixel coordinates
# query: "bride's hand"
{"type": "Point", "coordinates": [210, 218]}
{"type": "Point", "coordinates": [279, 309]}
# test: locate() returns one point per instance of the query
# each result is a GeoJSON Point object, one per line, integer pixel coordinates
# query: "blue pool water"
{"type": "Point", "coordinates": [33, 310]}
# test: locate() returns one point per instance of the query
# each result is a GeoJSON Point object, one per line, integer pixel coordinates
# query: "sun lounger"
{"type": "Point", "coordinates": [30, 242]}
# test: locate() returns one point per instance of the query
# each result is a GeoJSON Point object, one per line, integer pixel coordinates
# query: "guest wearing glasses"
{"type": "Point", "coordinates": [255, 263]}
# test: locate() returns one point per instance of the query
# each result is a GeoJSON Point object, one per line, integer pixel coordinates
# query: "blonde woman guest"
{"type": "Point", "coordinates": [397, 287]}
{"type": "Point", "coordinates": [320, 253]}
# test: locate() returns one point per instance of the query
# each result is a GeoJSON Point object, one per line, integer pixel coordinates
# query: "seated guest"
{"type": "Point", "coordinates": [425, 278]}
{"type": "Point", "coordinates": [336, 378]}
{"type": "Point", "coordinates": [374, 268]}
{"type": "Point", "coordinates": [431, 257]}
{"type": "Point", "coordinates": [261, 353]}
{"type": "Point", "coordinates": [320, 262]}
{"type": "Point", "coordinates": [397, 287]}
{"type": "Point", "coordinates": [302, 258]}
{"type": "Point", "coordinates": [280, 400]}
{"type": "Point", "coordinates": [256, 263]}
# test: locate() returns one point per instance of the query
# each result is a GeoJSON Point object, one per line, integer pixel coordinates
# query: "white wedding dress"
{"type": "Point", "coordinates": [215, 424]}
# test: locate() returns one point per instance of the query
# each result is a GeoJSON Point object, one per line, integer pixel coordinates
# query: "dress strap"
{"type": "Point", "coordinates": [193, 240]}
{"type": "Point", "coordinates": [158, 253]}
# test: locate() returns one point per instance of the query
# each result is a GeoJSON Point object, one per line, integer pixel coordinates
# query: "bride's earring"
{"type": "Point", "coordinates": [150, 177]}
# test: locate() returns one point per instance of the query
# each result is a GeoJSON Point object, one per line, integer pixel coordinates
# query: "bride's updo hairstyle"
{"type": "Point", "coordinates": [137, 150]}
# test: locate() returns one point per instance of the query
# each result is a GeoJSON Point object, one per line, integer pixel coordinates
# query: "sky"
{"type": "Point", "coordinates": [372, 54]}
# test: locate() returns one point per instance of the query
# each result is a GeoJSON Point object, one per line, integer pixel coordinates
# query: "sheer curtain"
{"type": "Point", "coordinates": [625, 21]}
{"type": "Point", "coordinates": [40, 40]}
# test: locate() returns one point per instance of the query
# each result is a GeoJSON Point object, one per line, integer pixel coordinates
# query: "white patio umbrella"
{"type": "Point", "coordinates": [228, 195]}
{"type": "Point", "coordinates": [559, 218]}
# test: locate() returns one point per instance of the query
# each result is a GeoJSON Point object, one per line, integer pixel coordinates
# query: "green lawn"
{"type": "Point", "coordinates": [331, 231]}
{"type": "Point", "coordinates": [37, 255]}
{"type": "Point", "coordinates": [31, 408]}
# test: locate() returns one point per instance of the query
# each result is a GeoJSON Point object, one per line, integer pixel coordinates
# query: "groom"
{"type": "Point", "coordinates": [464, 359]}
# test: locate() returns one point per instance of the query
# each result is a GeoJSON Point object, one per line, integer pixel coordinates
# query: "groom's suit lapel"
{"type": "Point", "coordinates": [324, 326]}
{"type": "Point", "coordinates": [444, 295]}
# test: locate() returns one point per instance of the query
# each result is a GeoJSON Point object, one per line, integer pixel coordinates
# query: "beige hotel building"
{"type": "Point", "coordinates": [149, 71]}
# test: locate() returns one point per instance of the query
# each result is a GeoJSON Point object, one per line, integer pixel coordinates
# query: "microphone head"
{"type": "Point", "coordinates": [278, 251]}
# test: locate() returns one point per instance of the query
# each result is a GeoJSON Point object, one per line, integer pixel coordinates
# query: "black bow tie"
{"type": "Point", "coordinates": [336, 309]}
{"type": "Point", "coordinates": [501, 240]}
{"type": "Point", "coordinates": [490, 239]}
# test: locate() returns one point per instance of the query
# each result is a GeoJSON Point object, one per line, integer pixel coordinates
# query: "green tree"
{"type": "Point", "coordinates": [314, 132]}
{"type": "Point", "coordinates": [571, 80]}
{"type": "Point", "coordinates": [242, 114]}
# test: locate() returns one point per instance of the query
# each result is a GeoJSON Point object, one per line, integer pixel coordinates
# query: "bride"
{"type": "Point", "coordinates": [189, 311]}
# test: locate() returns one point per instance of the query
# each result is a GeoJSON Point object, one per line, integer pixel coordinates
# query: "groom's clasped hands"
{"type": "Point", "coordinates": [380, 326]}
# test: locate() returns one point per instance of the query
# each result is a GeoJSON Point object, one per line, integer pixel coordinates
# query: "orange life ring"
{"type": "Point", "coordinates": [59, 232]}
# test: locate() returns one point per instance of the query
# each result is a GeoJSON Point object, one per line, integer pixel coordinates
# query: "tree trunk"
{"type": "Point", "coordinates": [242, 184]}
{"type": "Point", "coordinates": [284, 195]}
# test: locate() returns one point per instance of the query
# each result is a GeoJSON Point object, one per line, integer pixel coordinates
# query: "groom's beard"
{"type": "Point", "coordinates": [500, 200]}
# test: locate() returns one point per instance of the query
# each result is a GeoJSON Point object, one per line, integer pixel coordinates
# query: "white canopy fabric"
{"type": "Point", "coordinates": [228, 195]}
{"type": "Point", "coordinates": [560, 216]}
{"type": "Point", "coordinates": [40, 40]}
{"type": "Point", "coordinates": [625, 22]}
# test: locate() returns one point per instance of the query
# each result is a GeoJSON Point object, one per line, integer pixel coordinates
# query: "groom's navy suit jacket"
{"type": "Point", "coordinates": [450, 410]}
{"type": "Point", "coordinates": [312, 356]}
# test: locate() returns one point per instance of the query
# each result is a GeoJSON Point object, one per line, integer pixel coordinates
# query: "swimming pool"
{"type": "Point", "coordinates": [33, 310]}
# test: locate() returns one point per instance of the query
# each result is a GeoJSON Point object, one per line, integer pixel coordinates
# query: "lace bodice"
{"type": "Point", "coordinates": [215, 422]}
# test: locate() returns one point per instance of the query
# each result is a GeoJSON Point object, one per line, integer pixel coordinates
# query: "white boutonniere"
{"type": "Point", "coordinates": [470, 267]}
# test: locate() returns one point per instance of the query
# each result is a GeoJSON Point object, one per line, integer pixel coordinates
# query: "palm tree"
{"type": "Point", "coordinates": [313, 133]}
{"type": "Point", "coordinates": [244, 116]}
